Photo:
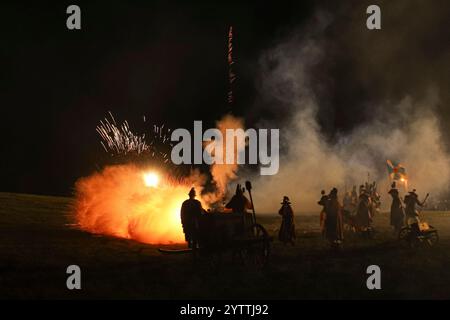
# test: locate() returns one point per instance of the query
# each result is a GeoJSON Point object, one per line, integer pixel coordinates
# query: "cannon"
{"type": "Point", "coordinates": [219, 232]}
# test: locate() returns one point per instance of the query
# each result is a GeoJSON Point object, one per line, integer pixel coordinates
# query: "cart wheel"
{"type": "Point", "coordinates": [403, 234]}
{"type": "Point", "coordinates": [433, 238]}
{"type": "Point", "coordinates": [259, 250]}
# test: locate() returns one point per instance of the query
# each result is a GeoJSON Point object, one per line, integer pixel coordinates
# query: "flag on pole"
{"type": "Point", "coordinates": [396, 171]}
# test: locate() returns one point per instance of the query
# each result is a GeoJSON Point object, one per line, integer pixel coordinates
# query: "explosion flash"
{"type": "Point", "coordinates": [127, 201]}
{"type": "Point", "coordinates": [144, 204]}
{"type": "Point", "coordinates": [151, 179]}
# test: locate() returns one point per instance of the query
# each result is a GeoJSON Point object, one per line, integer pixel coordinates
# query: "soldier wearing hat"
{"type": "Point", "coordinates": [239, 204]}
{"type": "Point", "coordinates": [363, 217]}
{"type": "Point", "coordinates": [333, 219]}
{"type": "Point", "coordinates": [191, 210]}
{"type": "Point", "coordinates": [287, 229]}
{"type": "Point", "coordinates": [411, 213]}
{"type": "Point", "coordinates": [397, 210]}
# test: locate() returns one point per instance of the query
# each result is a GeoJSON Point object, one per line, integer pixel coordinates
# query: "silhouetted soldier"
{"type": "Point", "coordinates": [361, 190]}
{"type": "Point", "coordinates": [287, 229]}
{"type": "Point", "coordinates": [397, 211]}
{"type": "Point", "coordinates": [191, 210]}
{"type": "Point", "coordinates": [363, 214]}
{"type": "Point", "coordinates": [412, 215]}
{"type": "Point", "coordinates": [239, 205]}
{"type": "Point", "coordinates": [354, 196]}
{"type": "Point", "coordinates": [322, 202]}
{"type": "Point", "coordinates": [333, 219]}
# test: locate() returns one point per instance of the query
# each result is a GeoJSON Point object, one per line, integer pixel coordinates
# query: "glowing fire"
{"type": "Point", "coordinates": [144, 205]}
{"type": "Point", "coordinates": [405, 182]}
{"type": "Point", "coordinates": [151, 179]}
{"type": "Point", "coordinates": [124, 201]}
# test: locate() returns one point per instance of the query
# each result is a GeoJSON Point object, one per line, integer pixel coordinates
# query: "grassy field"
{"type": "Point", "coordinates": [37, 243]}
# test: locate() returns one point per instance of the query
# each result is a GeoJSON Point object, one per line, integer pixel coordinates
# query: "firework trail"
{"type": "Point", "coordinates": [231, 74]}
{"type": "Point", "coordinates": [120, 140]}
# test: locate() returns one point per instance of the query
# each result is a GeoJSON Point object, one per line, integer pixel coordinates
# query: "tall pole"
{"type": "Point", "coordinates": [248, 185]}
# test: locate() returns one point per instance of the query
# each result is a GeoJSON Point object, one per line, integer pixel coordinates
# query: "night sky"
{"type": "Point", "coordinates": [167, 60]}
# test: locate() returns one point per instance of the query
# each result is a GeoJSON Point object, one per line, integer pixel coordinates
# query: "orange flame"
{"type": "Point", "coordinates": [125, 201]}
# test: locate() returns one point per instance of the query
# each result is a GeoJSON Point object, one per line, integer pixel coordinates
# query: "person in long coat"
{"type": "Point", "coordinates": [397, 210]}
{"type": "Point", "coordinates": [334, 231]}
{"type": "Point", "coordinates": [363, 216]}
{"type": "Point", "coordinates": [322, 202]}
{"type": "Point", "coordinates": [287, 229]}
{"type": "Point", "coordinates": [191, 210]}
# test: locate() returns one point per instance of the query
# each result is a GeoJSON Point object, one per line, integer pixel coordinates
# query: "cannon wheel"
{"type": "Point", "coordinates": [403, 234]}
{"type": "Point", "coordinates": [432, 237]}
{"type": "Point", "coordinates": [258, 250]}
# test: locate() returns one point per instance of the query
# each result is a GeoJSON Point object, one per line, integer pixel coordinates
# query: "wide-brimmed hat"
{"type": "Point", "coordinates": [286, 200]}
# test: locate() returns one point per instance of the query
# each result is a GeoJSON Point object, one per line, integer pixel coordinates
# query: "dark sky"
{"type": "Point", "coordinates": [165, 60]}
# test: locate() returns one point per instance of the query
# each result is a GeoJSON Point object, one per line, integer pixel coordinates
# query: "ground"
{"type": "Point", "coordinates": [38, 242]}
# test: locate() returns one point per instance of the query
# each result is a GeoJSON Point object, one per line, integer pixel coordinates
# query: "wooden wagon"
{"type": "Point", "coordinates": [217, 233]}
{"type": "Point", "coordinates": [236, 233]}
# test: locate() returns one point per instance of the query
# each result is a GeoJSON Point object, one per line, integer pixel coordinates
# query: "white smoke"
{"type": "Point", "coordinates": [406, 130]}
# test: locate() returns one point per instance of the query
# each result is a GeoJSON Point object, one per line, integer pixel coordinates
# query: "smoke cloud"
{"type": "Point", "coordinates": [402, 124]}
{"type": "Point", "coordinates": [222, 174]}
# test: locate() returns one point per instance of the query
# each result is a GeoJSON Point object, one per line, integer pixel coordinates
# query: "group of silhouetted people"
{"type": "Point", "coordinates": [331, 215]}
{"type": "Point", "coordinates": [191, 212]}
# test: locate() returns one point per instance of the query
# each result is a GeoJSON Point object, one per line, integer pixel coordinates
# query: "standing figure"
{"type": "Point", "coordinates": [411, 213]}
{"type": "Point", "coordinates": [191, 210]}
{"type": "Point", "coordinates": [361, 189]}
{"type": "Point", "coordinates": [239, 204]}
{"type": "Point", "coordinates": [322, 202]}
{"type": "Point", "coordinates": [333, 219]}
{"type": "Point", "coordinates": [363, 216]}
{"type": "Point", "coordinates": [354, 196]}
{"type": "Point", "coordinates": [287, 229]}
{"type": "Point", "coordinates": [397, 211]}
